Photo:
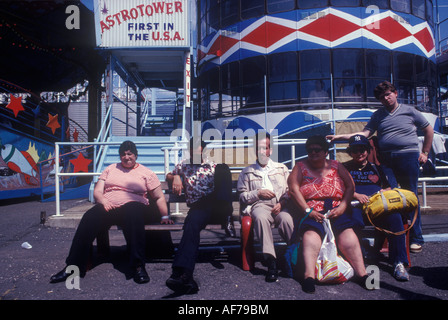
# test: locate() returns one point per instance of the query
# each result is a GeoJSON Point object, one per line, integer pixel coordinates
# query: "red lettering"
{"type": "Point", "coordinates": [178, 6]}
{"type": "Point", "coordinates": [150, 12]}
{"type": "Point", "coordinates": [134, 13]}
{"type": "Point", "coordinates": [125, 15]}
{"type": "Point", "coordinates": [158, 7]}
{"type": "Point", "coordinates": [103, 26]}
{"type": "Point", "coordinates": [117, 16]}
{"type": "Point", "coordinates": [166, 35]}
{"type": "Point", "coordinates": [110, 21]}
{"type": "Point", "coordinates": [158, 35]}
{"type": "Point", "coordinates": [141, 9]}
{"type": "Point", "coordinates": [169, 8]}
{"type": "Point", "coordinates": [177, 36]}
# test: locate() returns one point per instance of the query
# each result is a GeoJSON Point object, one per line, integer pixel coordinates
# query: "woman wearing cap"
{"type": "Point", "coordinates": [370, 179]}
{"type": "Point", "coordinates": [318, 185]}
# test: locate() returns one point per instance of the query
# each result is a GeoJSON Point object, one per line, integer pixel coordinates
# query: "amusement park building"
{"type": "Point", "coordinates": [285, 64]}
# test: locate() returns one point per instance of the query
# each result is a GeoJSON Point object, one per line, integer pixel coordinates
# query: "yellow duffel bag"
{"type": "Point", "coordinates": [395, 200]}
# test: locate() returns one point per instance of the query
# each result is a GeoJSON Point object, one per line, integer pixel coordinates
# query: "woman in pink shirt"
{"type": "Point", "coordinates": [121, 194]}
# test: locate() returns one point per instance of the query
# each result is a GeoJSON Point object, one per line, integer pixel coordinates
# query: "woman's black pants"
{"type": "Point", "coordinates": [130, 217]}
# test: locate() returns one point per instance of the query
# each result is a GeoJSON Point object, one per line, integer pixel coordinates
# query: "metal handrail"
{"type": "Point", "coordinates": [103, 125]}
{"type": "Point", "coordinates": [103, 135]}
{"type": "Point", "coordinates": [145, 113]}
{"type": "Point", "coordinates": [216, 144]}
{"type": "Point", "coordinates": [177, 147]}
{"type": "Point", "coordinates": [95, 173]}
{"type": "Point", "coordinates": [322, 123]}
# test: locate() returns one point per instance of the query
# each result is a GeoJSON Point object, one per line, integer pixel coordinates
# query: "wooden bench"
{"type": "Point", "coordinates": [246, 230]}
{"type": "Point", "coordinates": [102, 240]}
{"type": "Point", "coordinates": [247, 241]}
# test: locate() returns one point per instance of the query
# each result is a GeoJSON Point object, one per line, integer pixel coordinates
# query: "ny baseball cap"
{"type": "Point", "coordinates": [358, 140]}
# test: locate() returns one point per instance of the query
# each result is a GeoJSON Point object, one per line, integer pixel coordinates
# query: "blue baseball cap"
{"type": "Point", "coordinates": [358, 140]}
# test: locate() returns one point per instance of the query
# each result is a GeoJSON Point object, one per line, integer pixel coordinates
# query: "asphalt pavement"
{"type": "Point", "coordinates": [25, 273]}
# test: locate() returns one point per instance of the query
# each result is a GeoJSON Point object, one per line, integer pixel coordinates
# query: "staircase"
{"type": "Point", "coordinates": [162, 115]}
{"type": "Point", "coordinates": [166, 115]}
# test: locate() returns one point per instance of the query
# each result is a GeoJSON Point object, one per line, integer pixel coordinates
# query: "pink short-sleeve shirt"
{"type": "Point", "coordinates": [124, 185]}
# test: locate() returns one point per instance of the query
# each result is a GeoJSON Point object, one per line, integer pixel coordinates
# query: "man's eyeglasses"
{"type": "Point", "coordinates": [314, 150]}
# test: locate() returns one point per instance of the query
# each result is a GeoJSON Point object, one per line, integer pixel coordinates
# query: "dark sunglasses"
{"type": "Point", "coordinates": [358, 150]}
{"type": "Point", "coordinates": [315, 150]}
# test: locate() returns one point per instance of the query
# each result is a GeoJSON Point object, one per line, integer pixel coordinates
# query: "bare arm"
{"type": "Point", "coordinates": [98, 194]}
{"type": "Point", "coordinates": [348, 194]}
{"type": "Point", "coordinates": [428, 133]}
{"type": "Point", "coordinates": [159, 198]}
{"type": "Point", "coordinates": [365, 133]}
{"type": "Point", "coordinates": [294, 182]}
{"type": "Point", "coordinates": [176, 182]}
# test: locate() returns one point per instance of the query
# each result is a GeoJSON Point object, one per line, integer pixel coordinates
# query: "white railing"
{"type": "Point", "coordinates": [179, 145]}
{"type": "Point", "coordinates": [103, 135]}
{"type": "Point", "coordinates": [293, 143]}
{"type": "Point", "coordinates": [424, 182]}
{"type": "Point", "coordinates": [144, 114]}
{"type": "Point", "coordinates": [94, 173]}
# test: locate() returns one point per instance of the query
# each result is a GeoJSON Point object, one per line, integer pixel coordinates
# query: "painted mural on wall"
{"type": "Point", "coordinates": [23, 161]}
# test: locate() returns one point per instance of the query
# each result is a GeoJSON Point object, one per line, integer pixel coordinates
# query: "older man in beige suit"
{"type": "Point", "coordinates": [263, 192]}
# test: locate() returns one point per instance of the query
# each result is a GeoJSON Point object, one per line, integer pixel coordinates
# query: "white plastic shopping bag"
{"type": "Point", "coordinates": [330, 266]}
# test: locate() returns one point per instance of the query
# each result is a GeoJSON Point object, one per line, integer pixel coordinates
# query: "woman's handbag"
{"type": "Point", "coordinates": [389, 201]}
{"type": "Point", "coordinates": [330, 266]}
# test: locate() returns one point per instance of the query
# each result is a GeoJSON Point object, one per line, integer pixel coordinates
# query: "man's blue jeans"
{"type": "Point", "coordinates": [402, 169]}
{"type": "Point", "coordinates": [212, 208]}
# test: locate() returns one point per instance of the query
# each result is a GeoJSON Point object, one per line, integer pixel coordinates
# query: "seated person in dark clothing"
{"type": "Point", "coordinates": [370, 179]}
{"type": "Point", "coordinates": [208, 191]}
{"type": "Point", "coordinates": [121, 197]}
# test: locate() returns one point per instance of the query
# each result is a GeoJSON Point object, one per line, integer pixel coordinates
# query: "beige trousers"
{"type": "Point", "coordinates": [263, 220]}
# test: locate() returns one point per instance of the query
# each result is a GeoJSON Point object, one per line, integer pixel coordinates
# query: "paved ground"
{"type": "Point", "coordinates": [25, 273]}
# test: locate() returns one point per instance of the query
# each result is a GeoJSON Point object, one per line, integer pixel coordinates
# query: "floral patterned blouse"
{"type": "Point", "coordinates": [198, 179]}
{"type": "Point", "coordinates": [316, 189]}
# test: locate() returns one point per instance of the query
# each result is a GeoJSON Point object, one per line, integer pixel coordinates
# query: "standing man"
{"type": "Point", "coordinates": [396, 126]}
{"type": "Point", "coordinates": [263, 189]}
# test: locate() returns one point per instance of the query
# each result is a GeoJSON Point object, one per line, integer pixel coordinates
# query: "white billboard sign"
{"type": "Point", "coordinates": [142, 23]}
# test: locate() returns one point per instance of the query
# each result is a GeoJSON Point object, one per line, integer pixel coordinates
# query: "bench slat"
{"type": "Point", "coordinates": [178, 226]}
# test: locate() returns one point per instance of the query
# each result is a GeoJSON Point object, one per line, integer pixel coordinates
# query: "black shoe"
{"type": "Point", "coordinates": [61, 276]}
{"type": "Point", "coordinates": [229, 228]}
{"type": "Point", "coordinates": [272, 275]}
{"type": "Point", "coordinates": [182, 283]}
{"type": "Point", "coordinates": [308, 285]}
{"type": "Point", "coordinates": [140, 275]}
